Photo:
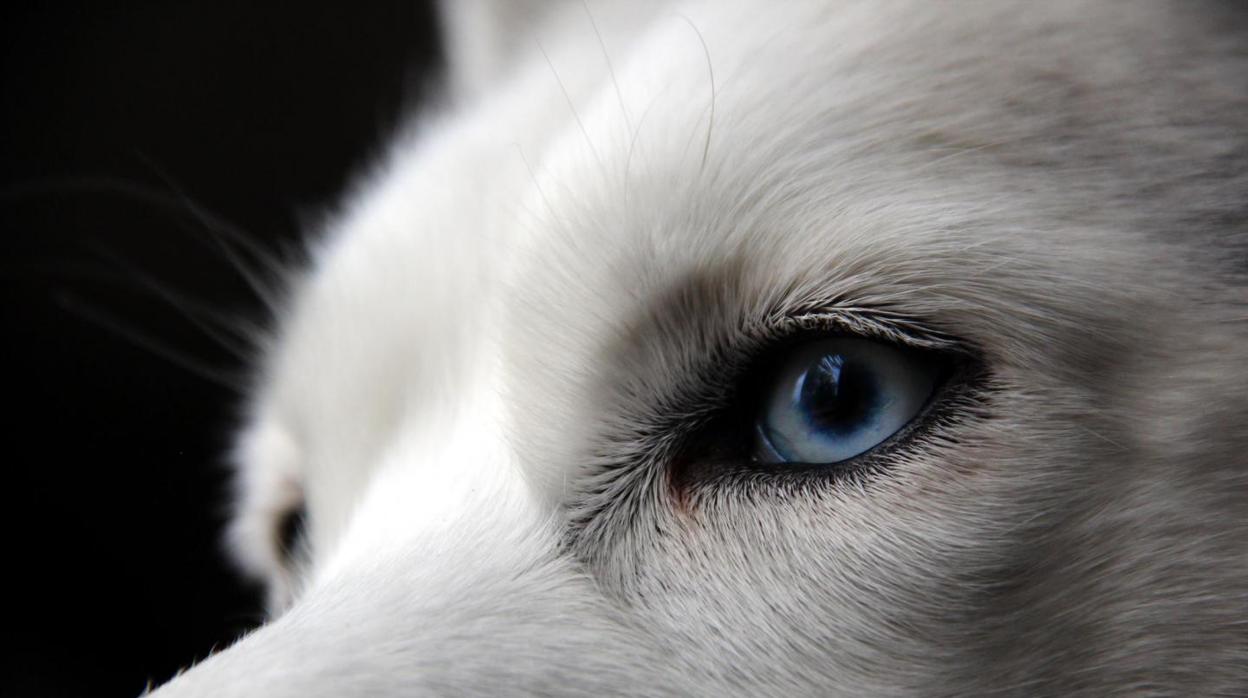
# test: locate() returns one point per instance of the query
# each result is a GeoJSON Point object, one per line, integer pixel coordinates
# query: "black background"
{"type": "Point", "coordinates": [131, 132]}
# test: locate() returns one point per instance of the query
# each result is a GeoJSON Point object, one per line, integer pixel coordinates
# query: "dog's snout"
{"type": "Point", "coordinates": [482, 615]}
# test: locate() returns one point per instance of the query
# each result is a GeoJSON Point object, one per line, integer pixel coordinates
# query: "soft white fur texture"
{"type": "Point", "coordinates": [486, 386]}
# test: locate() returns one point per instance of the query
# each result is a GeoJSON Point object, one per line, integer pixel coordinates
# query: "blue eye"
{"type": "Point", "coordinates": [835, 399]}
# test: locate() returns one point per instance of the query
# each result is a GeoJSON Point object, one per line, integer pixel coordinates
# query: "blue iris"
{"type": "Point", "coordinates": [835, 399]}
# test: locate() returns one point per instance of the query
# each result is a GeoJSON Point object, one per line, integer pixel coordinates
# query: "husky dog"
{"type": "Point", "coordinates": [817, 347]}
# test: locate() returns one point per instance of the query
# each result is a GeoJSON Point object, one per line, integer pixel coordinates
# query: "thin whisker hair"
{"type": "Point", "coordinates": [76, 305]}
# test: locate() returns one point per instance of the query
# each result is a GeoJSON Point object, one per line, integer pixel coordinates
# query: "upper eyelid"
{"type": "Point", "coordinates": [865, 323]}
{"type": "Point", "coordinates": [708, 387]}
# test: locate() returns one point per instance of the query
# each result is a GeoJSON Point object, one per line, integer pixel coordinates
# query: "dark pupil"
{"type": "Point", "coordinates": [837, 394]}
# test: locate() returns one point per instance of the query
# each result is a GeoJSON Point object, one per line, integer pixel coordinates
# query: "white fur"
{"type": "Point", "coordinates": [478, 384]}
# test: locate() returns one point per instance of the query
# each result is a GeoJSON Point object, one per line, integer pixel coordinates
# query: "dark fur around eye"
{"type": "Point", "coordinates": [290, 531]}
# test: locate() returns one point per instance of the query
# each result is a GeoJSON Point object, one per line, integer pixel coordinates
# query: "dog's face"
{"type": "Point", "coordinates": [820, 348]}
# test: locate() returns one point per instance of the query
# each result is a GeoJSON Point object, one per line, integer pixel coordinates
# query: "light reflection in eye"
{"type": "Point", "coordinates": [835, 399]}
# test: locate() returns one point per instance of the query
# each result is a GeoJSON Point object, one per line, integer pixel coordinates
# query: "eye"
{"type": "Point", "coordinates": [834, 399]}
{"type": "Point", "coordinates": [290, 531]}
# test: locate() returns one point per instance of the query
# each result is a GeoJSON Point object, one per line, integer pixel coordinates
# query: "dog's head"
{"type": "Point", "coordinates": [802, 348]}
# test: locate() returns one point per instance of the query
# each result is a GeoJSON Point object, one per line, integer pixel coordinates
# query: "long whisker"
{"type": "Point", "coordinates": [216, 223]}
{"type": "Point", "coordinates": [619, 95]}
{"type": "Point", "coordinates": [74, 304]}
{"type": "Point", "coordinates": [229, 332]}
{"type": "Point", "coordinates": [710, 69]}
{"type": "Point", "coordinates": [632, 144]}
{"type": "Point", "coordinates": [571, 105]}
{"type": "Point", "coordinates": [220, 231]}
{"type": "Point", "coordinates": [533, 178]}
